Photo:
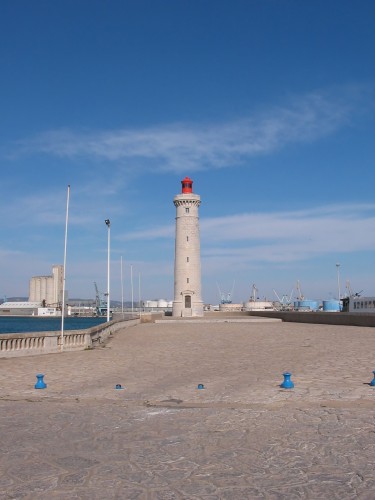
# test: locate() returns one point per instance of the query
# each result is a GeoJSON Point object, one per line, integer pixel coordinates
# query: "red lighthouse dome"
{"type": "Point", "coordinates": [187, 185]}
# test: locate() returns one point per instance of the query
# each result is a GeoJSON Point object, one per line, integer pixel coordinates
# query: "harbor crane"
{"type": "Point", "coordinates": [225, 299]}
{"type": "Point", "coordinates": [100, 302]}
{"type": "Point", "coordinates": [350, 292]}
{"type": "Point", "coordinates": [254, 294]}
{"type": "Point", "coordinates": [300, 295]}
{"type": "Point", "coordinates": [285, 302]}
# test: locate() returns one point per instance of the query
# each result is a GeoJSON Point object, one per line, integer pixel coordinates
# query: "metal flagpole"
{"type": "Point", "coordinates": [108, 223]}
{"type": "Point", "coordinates": [139, 292]}
{"type": "Point", "coordinates": [64, 272]}
{"type": "Point", "coordinates": [131, 282]}
{"type": "Point", "coordinates": [122, 292]}
{"type": "Point", "coordinates": [338, 279]}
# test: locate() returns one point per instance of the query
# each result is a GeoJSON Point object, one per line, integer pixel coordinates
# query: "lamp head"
{"type": "Point", "coordinates": [108, 222]}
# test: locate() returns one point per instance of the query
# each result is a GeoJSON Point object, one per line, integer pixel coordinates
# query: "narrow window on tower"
{"type": "Point", "coordinates": [187, 238]}
{"type": "Point", "coordinates": [187, 259]}
{"type": "Point", "coordinates": [186, 210]}
{"type": "Point", "coordinates": [187, 280]}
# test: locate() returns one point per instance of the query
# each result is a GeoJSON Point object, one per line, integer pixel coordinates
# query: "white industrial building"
{"type": "Point", "coordinates": [48, 290]}
{"type": "Point", "coordinates": [19, 308]}
{"type": "Point", "coordinates": [360, 304]}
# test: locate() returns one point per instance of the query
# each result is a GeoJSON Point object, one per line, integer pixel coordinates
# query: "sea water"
{"type": "Point", "coordinates": [27, 324]}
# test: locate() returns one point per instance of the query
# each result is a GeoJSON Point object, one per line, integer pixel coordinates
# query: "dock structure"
{"type": "Point", "coordinates": [200, 414]}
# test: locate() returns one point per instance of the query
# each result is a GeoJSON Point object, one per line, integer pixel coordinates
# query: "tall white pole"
{"type": "Point", "coordinates": [131, 283]}
{"type": "Point", "coordinates": [122, 291]}
{"type": "Point", "coordinates": [338, 279]}
{"type": "Point", "coordinates": [108, 222]}
{"type": "Point", "coordinates": [64, 268]}
{"type": "Point", "coordinates": [139, 291]}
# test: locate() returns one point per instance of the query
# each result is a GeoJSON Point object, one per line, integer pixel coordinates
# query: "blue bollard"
{"type": "Point", "coordinates": [40, 384]}
{"type": "Point", "coordinates": [373, 380]}
{"type": "Point", "coordinates": [200, 386]}
{"type": "Point", "coordinates": [287, 383]}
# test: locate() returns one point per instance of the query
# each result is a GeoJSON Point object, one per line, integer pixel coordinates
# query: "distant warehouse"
{"type": "Point", "coordinates": [359, 304]}
{"type": "Point", "coordinates": [19, 308]}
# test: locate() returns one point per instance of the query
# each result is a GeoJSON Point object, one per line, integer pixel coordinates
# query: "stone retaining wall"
{"type": "Point", "coordinates": [29, 344]}
{"type": "Point", "coordinates": [317, 317]}
{"type": "Point", "coordinates": [323, 318]}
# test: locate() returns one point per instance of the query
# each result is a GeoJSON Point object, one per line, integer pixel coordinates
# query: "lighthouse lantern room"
{"type": "Point", "coordinates": [187, 185]}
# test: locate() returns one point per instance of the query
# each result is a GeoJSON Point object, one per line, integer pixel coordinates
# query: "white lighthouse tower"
{"type": "Point", "coordinates": [187, 265]}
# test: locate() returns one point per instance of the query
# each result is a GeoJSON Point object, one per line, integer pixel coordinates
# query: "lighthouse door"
{"type": "Point", "coordinates": [187, 301]}
{"type": "Point", "coordinates": [187, 311]}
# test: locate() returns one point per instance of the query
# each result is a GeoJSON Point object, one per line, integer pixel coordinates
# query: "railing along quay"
{"type": "Point", "coordinates": [29, 344]}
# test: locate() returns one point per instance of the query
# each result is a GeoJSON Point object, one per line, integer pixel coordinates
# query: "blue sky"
{"type": "Point", "coordinates": [267, 105]}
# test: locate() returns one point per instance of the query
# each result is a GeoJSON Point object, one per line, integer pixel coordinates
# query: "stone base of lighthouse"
{"type": "Point", "coordinates": [187, 307]}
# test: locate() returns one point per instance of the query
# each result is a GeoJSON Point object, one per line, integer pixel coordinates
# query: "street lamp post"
{"type": "Point", "coordinates": [122, 292]}
{"type": "Point", "coordinates": [131, 285]}
{"type": "Point", "coordinates": [338, 279]}
{"type": "Point", "coordinates": [108, 223]}
{"type": "Point", "coordinates": [64, 270]}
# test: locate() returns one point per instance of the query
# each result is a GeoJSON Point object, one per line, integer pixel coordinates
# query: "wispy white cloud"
{"type": "Point", "coordinates": [281, 236]}
{"type": "Point", "coordinates": [89, 202]}
{"type": "Point", "coordinates": [166, 231]}
{"type": "Point", "coordinates": [328, 225]}
{"type": "Point", "coordinates": [6, 253]}
{"type": "Point", "coordinates": [181, 147]}
{"type": "Point", "coordinates": [40, 208]}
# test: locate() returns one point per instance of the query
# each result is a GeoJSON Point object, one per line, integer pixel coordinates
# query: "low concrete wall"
{"type": "Point", "coordinates": [29, 344]}
{"type": "Point", "coordinates": [151, 317]}
{"type": "Point", "coordinates": [99, 334]}
{"type": "Point", "coordinates": [324, 318]}
{"type": "Point", "coordinates": [224, 314]}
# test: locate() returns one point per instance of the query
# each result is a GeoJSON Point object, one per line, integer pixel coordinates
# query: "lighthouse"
{"type": "Point", "coordinates": [187, 264]}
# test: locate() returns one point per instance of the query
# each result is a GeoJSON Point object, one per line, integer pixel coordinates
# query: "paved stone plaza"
{"type": "Point", "coordinates": [242, 437]}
